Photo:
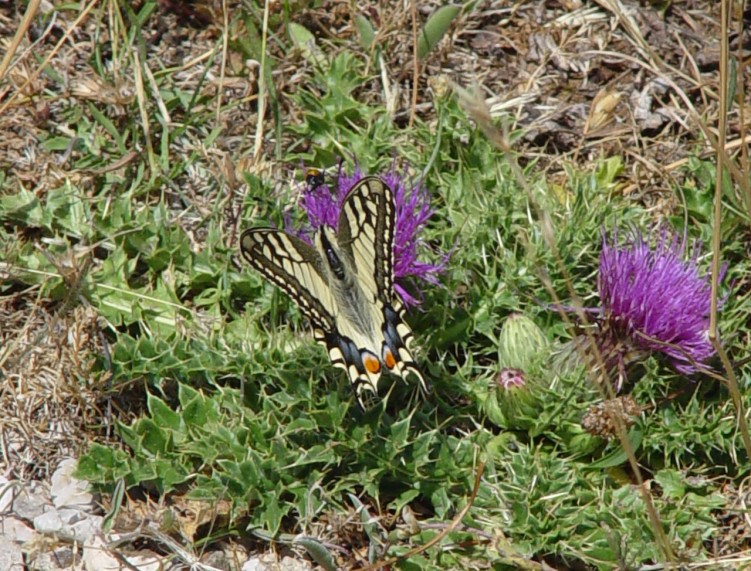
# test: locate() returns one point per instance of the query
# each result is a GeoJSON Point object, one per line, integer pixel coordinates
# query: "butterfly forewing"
{"type": "Point", "coordinates": [366, 231]}
{"type": "Point", "coordinates": [294, 266]}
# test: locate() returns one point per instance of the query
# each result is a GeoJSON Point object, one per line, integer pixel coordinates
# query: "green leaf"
{"type": "Point", "coordinates": [197, 412]}
{"type": "Point", "coordinates": [24, 207]}
{"type": "Point", "coordinates": [672, 483]}
{"type": "Point", "coordinates": [317, 552]}
{"type": "Point", "coordinates": [618, 456]}
{"type": "Point", "coordinates": [365, 31]}
{"type": "Point", "coordinates": [163, 415]}
{"type": "Point", "coordinates": [154, 439]}
{"type": "Point", "coordinates": [186, 394]}
{"type": "Point", "coordinates": [400, 433]}
{"type": "Point", "coordinates": [435, 28]}
{"type": "Point", "coordinates": [102, 464]}
{"type": "Point", "coordinates": [116, 502]}
{"type": "Point", "coordinates": [306, 43]}
{"type": "Point", "coordinates": [370, 524]}
{"type": "Point", "coordinates": [404, 499]}
{"type": "Point", "coordinates": [170, 474]}
{"type": "Point", "coordinates": [272, 513]}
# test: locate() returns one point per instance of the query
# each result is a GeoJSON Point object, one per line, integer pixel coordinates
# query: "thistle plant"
{"type": "Point", "coordinates": [653, 301]}
{"type": "Point", "coordinates": [322, 205]}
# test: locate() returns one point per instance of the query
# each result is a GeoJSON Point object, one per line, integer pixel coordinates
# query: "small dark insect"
{"type": "Point", "coordinates": [314, 178]}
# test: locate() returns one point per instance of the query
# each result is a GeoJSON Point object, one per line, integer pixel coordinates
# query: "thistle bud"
{"type": "Point", "coordinates": [514, 400]}
{"type": "Point", "coordinates": [520, 342]}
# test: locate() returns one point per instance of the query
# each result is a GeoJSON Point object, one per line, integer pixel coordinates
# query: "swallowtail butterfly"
{"type": "Point", "coordinates": [344, 284]}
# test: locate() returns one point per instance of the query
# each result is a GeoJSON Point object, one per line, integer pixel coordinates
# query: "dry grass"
{"type": "Point", "coordinates": [50, 399]}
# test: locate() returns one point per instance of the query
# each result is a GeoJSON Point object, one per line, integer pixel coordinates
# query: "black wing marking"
{"type": "Point", "coordinates": [294, 266]}
{"type": "Point", "coordinates": [366, 232]}
{"type": "Point", "coordinates": [398, 338]}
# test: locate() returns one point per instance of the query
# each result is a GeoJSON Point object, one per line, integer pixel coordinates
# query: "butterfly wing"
{"type": "Point", "coordinates": [365, 233]}
{"type": "Point", "coordinates": [300, 271]}
{"type": "Point", "coordinates": [294, 266]}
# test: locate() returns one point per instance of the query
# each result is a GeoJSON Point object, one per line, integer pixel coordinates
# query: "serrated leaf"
{"type": "Point", "coordinates": [400, 433]}
{"type": "Point", "coordinates": [196, 412]}
{"type": "Point", "coordinates": [140, 470]}
{"type": "Point", "coordinates": [435, 28]}
{"type": "Point", "coordinates": [24, 207]}
{"type": "Point", "coordinates": [101, 464]}
{"type": "Point", "coordinates": [153, 438]}
{"type": "Point", "coordinates": [272, 513]}
{"type": "Point", "coordinates": [672, 483]}
{"type": "Point", "coordinates": [162, 414]}
{"type": "Point", "coordinates": [186, 394]}
{"type": "Point", "coordinates": [170, 474]}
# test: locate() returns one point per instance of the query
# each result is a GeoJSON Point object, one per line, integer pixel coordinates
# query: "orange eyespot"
{"type": "Point", "coordinates": [372, 364]}
{"type": "Point", "coordinates": [389, 359]}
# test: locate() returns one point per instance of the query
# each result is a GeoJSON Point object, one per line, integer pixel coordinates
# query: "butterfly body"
{"type": "Point", "coordinates": [343, 283]}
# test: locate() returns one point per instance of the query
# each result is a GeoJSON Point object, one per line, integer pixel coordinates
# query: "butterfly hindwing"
{"type": "Point", "coordinates": [366, 230]}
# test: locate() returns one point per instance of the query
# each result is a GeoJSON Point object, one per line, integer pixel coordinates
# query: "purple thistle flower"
{"type": "Point", "coordinates": [654, 300]}
{"type": "Point", "coordinates": [412, 205]}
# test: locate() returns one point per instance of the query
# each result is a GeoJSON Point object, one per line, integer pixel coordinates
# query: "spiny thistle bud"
{"type": "Point", "coordinates": [514, 399]}
{"type": "Point", "coordinates": [520, 342]}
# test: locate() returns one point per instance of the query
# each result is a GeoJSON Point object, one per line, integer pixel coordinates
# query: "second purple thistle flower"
{"type": "Point", "coordinates": [653, 300]}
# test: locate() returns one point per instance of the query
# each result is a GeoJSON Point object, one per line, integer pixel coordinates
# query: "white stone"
{"type": "Point", "coordinates": [66, 490]}
{"type": "Point", "coordinates": [69, 524]}
{"type": "Point", "coordinates": [268, 562]}
{"type": "Point", "coordinates": [48, 523]}
{"type": "Point", "coordinates": [58, 559]}
{"type": "Point", "coordinates": [11, 557]}
{"type": "Point", "coordinates": [97, 557]}
{"type": "Point", "coordinates": [16, 530]}
{"type": "Point", "coordinates": [292, 564]}
{"type": "Point", "coordinates": [265, 562]}
{"type": "Point", "coordinates": [31, 502]}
